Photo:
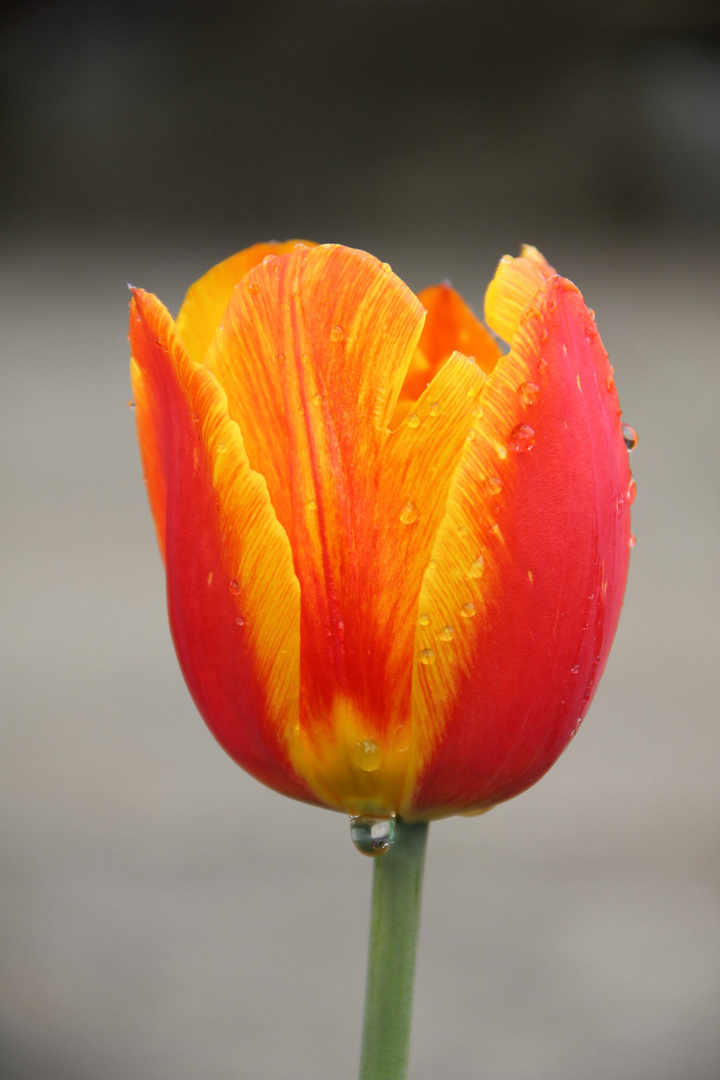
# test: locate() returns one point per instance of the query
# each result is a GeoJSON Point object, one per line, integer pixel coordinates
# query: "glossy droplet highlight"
{"type": "Point", "coordinates": [522, 438]}
{"type": "Point", "coordinates": [633, 540]}
{"type": "Point", "coordinates": [447, 633]}
{"type": "Point", "coordinates": [631, 493]}
{"type": "Point", "coordinates": [131, 403]}
{"type": "Point", "coordinates": [240, 621]}
{"type": "Point", "coordinates": [477, 567]}
{"type": "Point", "coordinates": [408, 512]}
{"type": "Point", "coordinates": [427, 657]}
{"type": "Point", "coordinates": [630, 437]}
{"type": "Point", "coordinates": [366, 755]}
{"type": "Point", "coordinates": [413, 420]}
{"type": "Point", "coordinates": [527, 392]}
{"type": "Point", "coordinates": [386, 267]}
{"type": "Point", "coordinates": [433, 408]}
{"type": "Point", "coordinates": [280, 357]}
{"type": "Point", "coordinates": [311, 504]}
{"type": "Point", "coordinates": [337, 333]}
{"type": "Point", "coordinates": [234, 587]}
{"type": "Point", "coordinates": [467, 610]}
{"type": "Point", "coordinates": [253, 287]}
{"type": "Point", "coordinates": [372, 836]}
{"type": "Point", "coordinates": [424, 620]}
{"type": "Point", "coordinates": [494, 483]}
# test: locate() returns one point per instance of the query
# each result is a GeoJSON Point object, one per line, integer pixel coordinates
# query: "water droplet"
{"type": "Point", "coordinates": [301, 247]}
{"type": "Point", "coordinates": [477, 568]}
{"type": "Point", "coordinates": [372, 836]}
{"type": "Point", "coordinates": [467, 610]}
{"type": "Point", "coordinates": [447, 633]}
{"type": "Point", "coordinates": [408, 512]}
{"type": "Point", "coordinates": [317, 398]}
{"type": "Point", "coordinates": [574, 669]}
{"type": "Point", "coordinates": [413, 420]}
{"type": "Point", "coordinates": [221, 448]}
{"type": "Point", "coordinates": [234, 587]}
{"type": "Point", "coordinates": [527, 392]}
{"type": "Point", "coordinates": [633, 540]}
{"type": "Point", "coordinates": [433, 408]}
{"type": "Point", "coordinates": [366, 755]}
{"type": "Point", "coordinates": [463, 530]}
{"type": "Point", "coordinates": [268, 259]}
{"type": "Point", "coordinates": [301, 409]}
{"type": "Point", "coordinates": [337, 333]}
{"type": "Point", "coordinates": [253, 287]}
{"type": "Point", "coordinates": [426, 657]}
{"type": "Point", "coordinates": [522, 438]}
{"type": "Point", "coordinates": [472, 390]}
{"type": "Point", "coordinates": [631, 492]}
{"type": "Point", "coordinates": [131, 403]}
{"type": "Point", "coordinates": [424, 620]}
{"type": "Point", "coordinates": [311, 504]}
{"type": "Point", "coordinates": [280, 358]}
{"type": "Point", "coordinates": [304, 358]}
{"type": "Point", "coordinates": [495, 483]}
{"type": "Point", "coordinates": [240, 621]}
{"type": "Point", "coordinates": [386, 267]}
{"type": "Point", "coordinates": [541, 365]}
{"type": "Point", "coordinates": [630, 437]}
{"type": "Point", "coordinates": [432, 565]}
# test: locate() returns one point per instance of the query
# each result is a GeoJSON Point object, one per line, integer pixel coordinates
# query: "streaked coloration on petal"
{"type": "Point", "coordinates": [547, 517]}
{"type": "Point", "coordinates": [233, 597]}
{"type": "Point", "coordinates": [513, 289]}
{"type": "Point", "coordinates": [312, 358]}
{"type": "Point", "coordinates": [450, 326]}
{"type": "Point", "coordinates": [205, 301]}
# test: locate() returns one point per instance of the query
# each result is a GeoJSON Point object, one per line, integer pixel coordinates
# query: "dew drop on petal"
{"type": "Point", "coordinates": [522, 438]}
{"type": "Point", "coordinates": [253, 287]}
{"type": "Point", "coordinates": [280, 357]}
{"type": "Point", "coordinates": [366, 755]}
{"type": "Point", "coordinates": [433, 408]}
{"type": "Point", "coordinates": [372, 836]}
{"type": "Point", "coordinates": [633, 540]}
{"type": "Point", "coordinates": [424, 620]}
{"type": "Point", "coordinates": [131, 403]}
{"type": "Point", "coordinates": [337, 333]}
{"type": "Point", "coordinates": [467, 610]}
{"type": "Point", "coordinates": [234, 587]}
{"type": "Point", "coordinates": [631, 492]}
{"type": "Point", "coordinates": [413, 420]}
{"type": "Point", "coordinates": [495, 483]}
{"type": "Point", "coordinates": [311, 504]}
{"type": "Point", "coordinates": [630, 437]}
{"type": "Point", "coordinates": [427, 657]}
{"type": "Point", "coordinates": [541, 365]}
{"type": "Point", "coordinates": [240, 621]}
{"type": "Point", "coordinates": [386, 267]}
{"type": "Point", "coordinates": [447, 633]}
{"type": "Point", "coordinates": [527, 392]}
{"type": "Point", "coordinates": [408, 512]}
{"type": "Point", "coordinates": [574, 669]}
{"type": "Point", "coordinates": [432, 565]}
{"type": "Point", "coordinates": [477, 567]}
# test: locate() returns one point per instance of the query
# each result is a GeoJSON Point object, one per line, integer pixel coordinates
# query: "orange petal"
{"type": "Point", "coordinates": [513, 288]}
{"type": "Point", "coordinates": [450, 325]}
{"type": "Point", "coordinates": [312, 355]}
{"type": "Point", "coordinates": [529, 565]}
{"type": "Point", "coordinates": [233, 597]}
{"type": "Point", "coordinates": [205, 301]}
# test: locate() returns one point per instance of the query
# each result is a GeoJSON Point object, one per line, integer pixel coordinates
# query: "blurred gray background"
{"type": "Point", "coordinates": [163, 916]}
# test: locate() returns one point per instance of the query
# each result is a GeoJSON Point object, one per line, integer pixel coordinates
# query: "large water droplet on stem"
{"type": "Point", "coordinates": [372, 836]}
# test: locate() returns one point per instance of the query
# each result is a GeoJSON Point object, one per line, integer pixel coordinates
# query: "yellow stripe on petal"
{"type": "Point", "coordinates": [512, 290]}
{"type": "Point", "coordinates": [205, 302]}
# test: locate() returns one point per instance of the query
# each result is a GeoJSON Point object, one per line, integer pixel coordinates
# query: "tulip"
{"type": "Point", "coordinates": [395, 553]}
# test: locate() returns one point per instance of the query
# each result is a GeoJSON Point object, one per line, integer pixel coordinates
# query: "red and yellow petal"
{"type": "Point", "coordinates": [312, 354]}
{"type": "Point", "coordinates": [233, 597]}
{"type": "Point", "coordinates": [205, 301]}
{"type": "Point", "coordinates": [522, 597]}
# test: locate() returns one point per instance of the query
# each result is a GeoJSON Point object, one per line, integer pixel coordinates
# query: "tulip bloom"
{"type": "Point", "coordinates": [395, 554]}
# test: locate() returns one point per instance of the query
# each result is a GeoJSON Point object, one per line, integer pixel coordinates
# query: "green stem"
{"type": "Point", "coordinates": [394, 925]}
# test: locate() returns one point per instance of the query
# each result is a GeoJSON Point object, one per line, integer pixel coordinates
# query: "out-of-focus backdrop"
{"type": "Point", "coordinates": [163, 916]}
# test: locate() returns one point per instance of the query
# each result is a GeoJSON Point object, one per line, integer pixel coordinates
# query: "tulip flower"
{"type": "Point", "coordinates": [395, 552]}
